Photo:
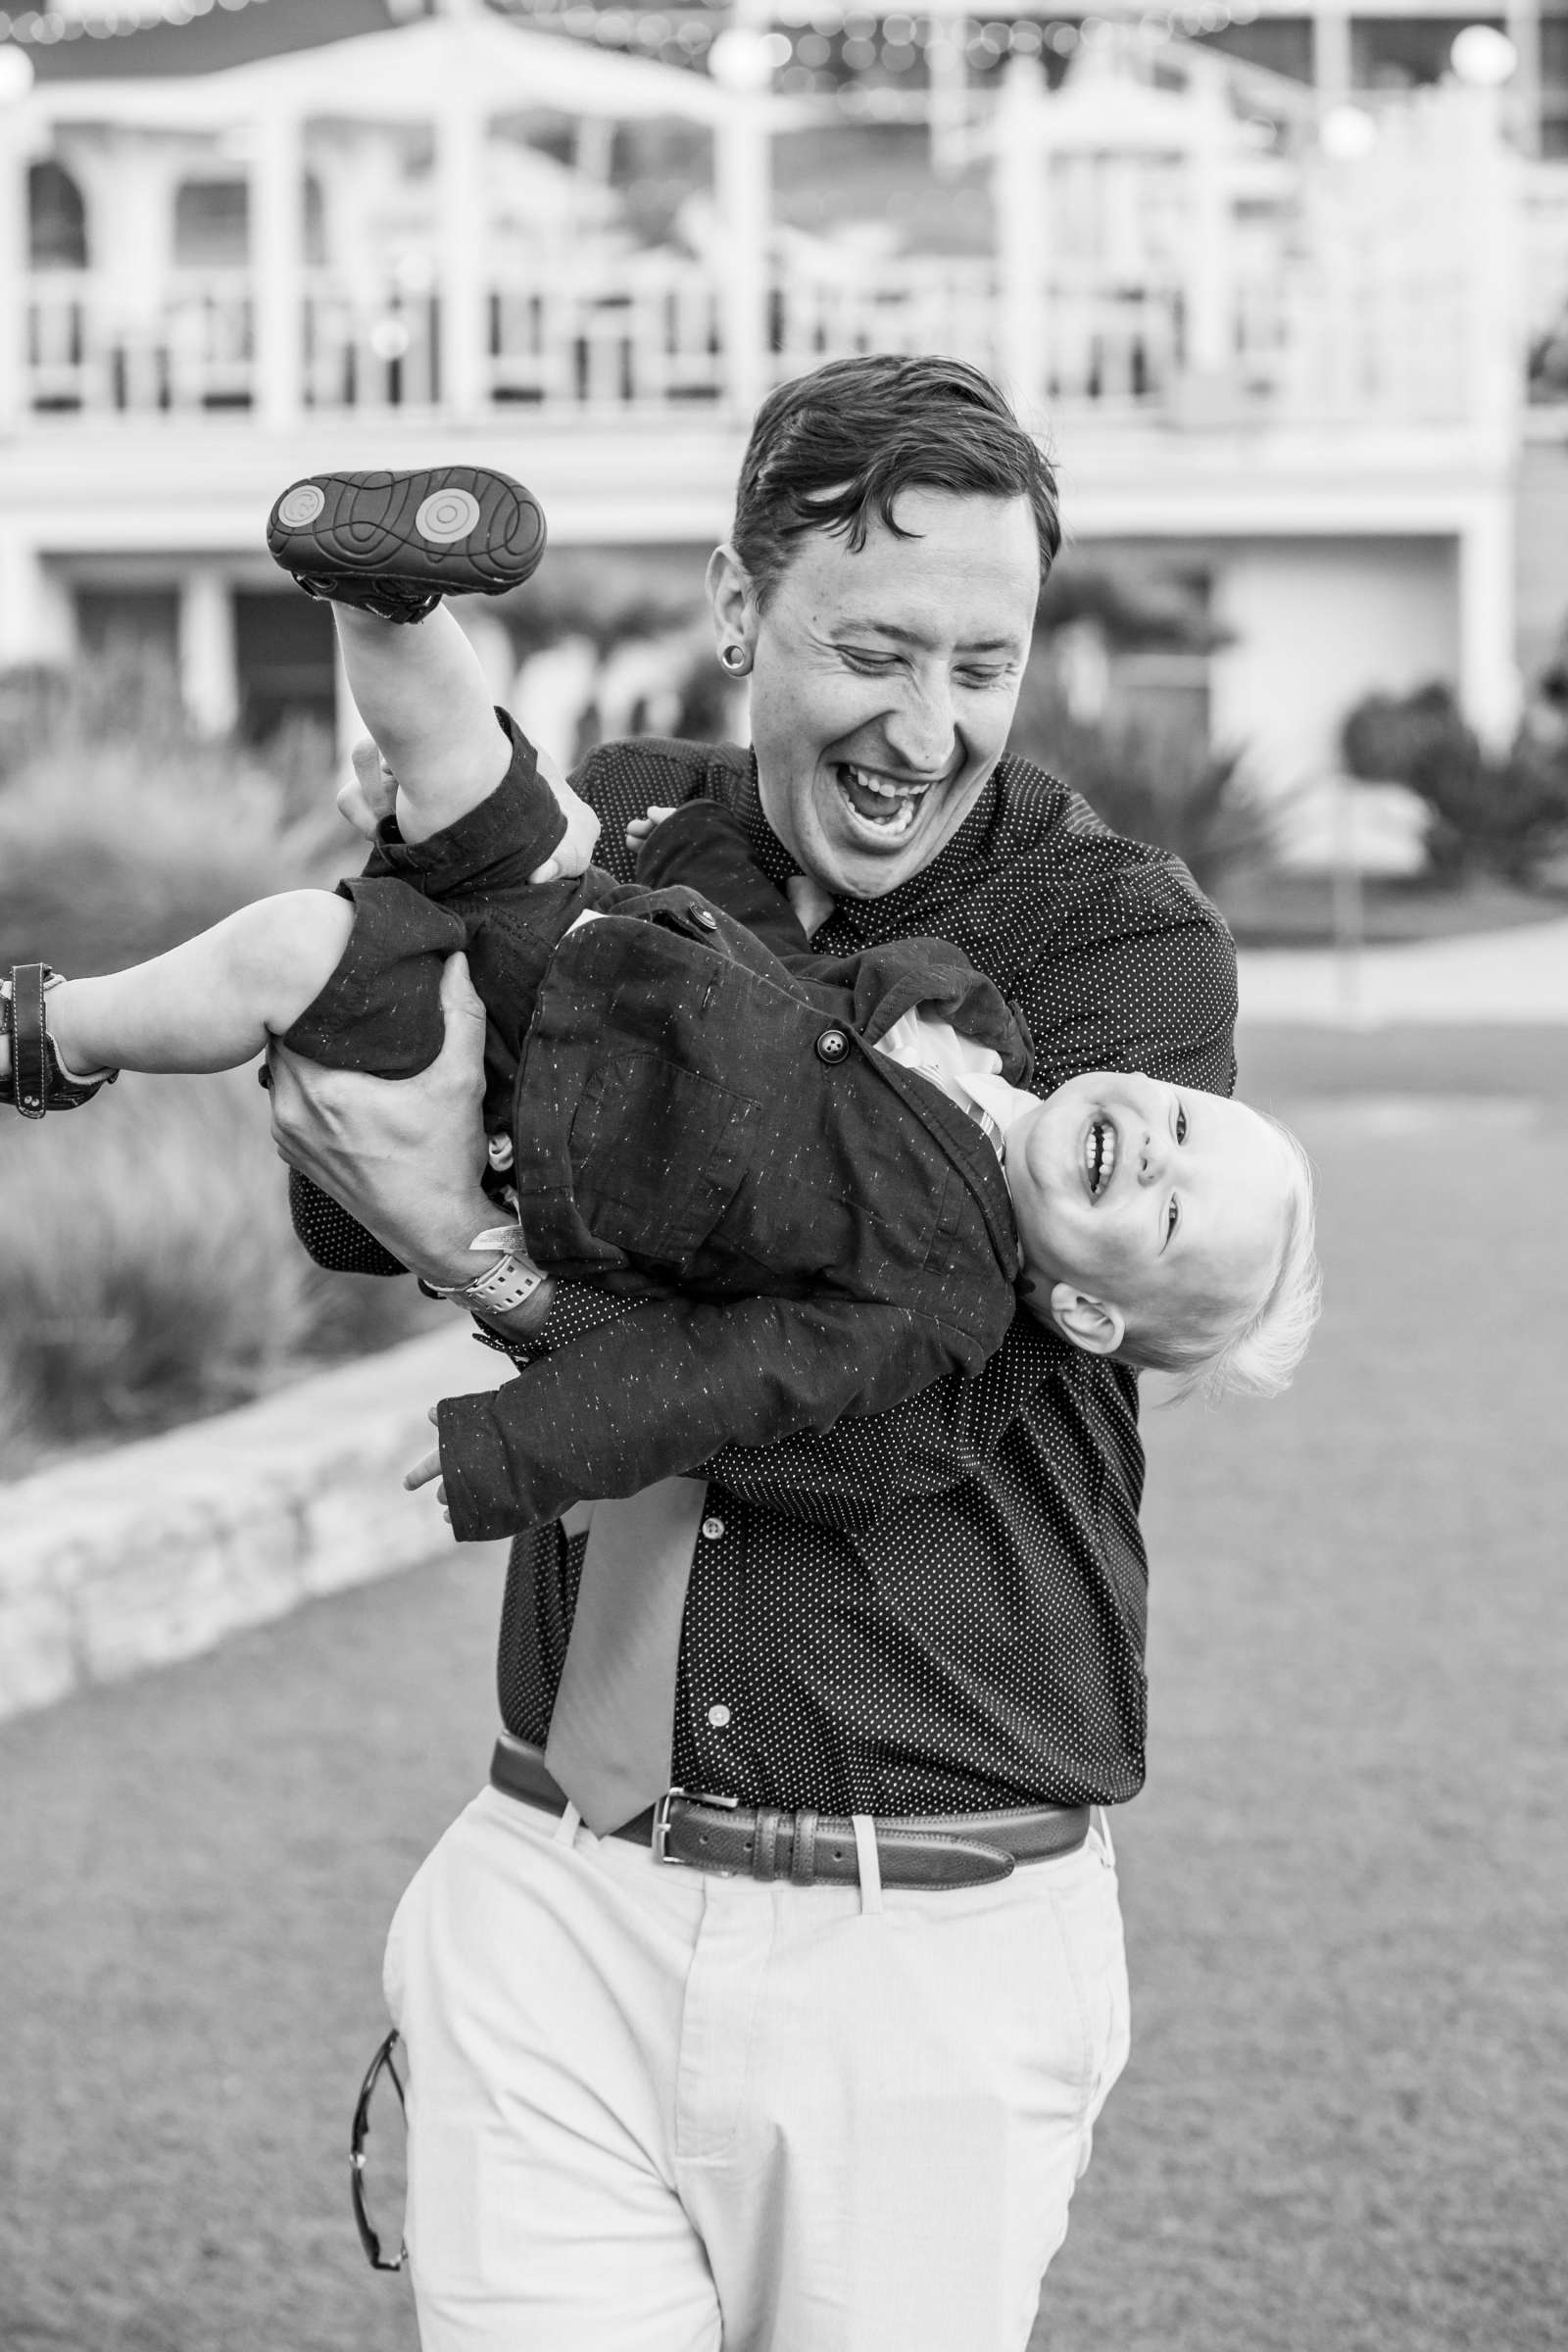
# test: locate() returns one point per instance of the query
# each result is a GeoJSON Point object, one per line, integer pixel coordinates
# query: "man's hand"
{"type": "Point", "coordinates": [404, 1155]}
{"type": "Point", "coordinates": [427, 1467]}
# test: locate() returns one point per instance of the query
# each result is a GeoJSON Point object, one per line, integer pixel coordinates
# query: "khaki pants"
{"type": "Point", "coordinates": [657, 2111]}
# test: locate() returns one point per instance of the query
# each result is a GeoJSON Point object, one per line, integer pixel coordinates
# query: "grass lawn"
{"type": "Point", "coordinates": [1342, 2127]}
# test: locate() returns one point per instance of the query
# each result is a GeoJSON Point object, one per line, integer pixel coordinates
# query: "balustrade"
{"type": "Point", "coordinates": [1353, 317]}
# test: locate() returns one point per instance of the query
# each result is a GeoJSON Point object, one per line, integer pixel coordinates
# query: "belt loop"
{"type": "Point", "coordinates": [802, 1855]}
{"type": "Point", "coordinates": [565, 1831]}
{"type": "Point", "coordinates": [1100, 1824]}
{"type": "Point", "coordinates": [865, 1828]}
{"type": "Point", "coordinates": [764, 1846]}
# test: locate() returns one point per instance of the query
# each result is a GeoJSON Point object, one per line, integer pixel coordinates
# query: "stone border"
{"type": "Point", "coordinates": [161, 1549]}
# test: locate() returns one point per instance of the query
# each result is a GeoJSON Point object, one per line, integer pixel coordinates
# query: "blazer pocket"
{"type": "Point", "coordinates": [657, 1153]}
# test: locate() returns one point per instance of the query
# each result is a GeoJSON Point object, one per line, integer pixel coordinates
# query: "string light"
{"type": "Point", "coordinates": [41, 27]}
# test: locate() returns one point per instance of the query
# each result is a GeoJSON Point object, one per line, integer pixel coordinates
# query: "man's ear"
{"type": "Point", "coordinates": [729, 593]}
{"type": "Point", "coordinates": [1091, 1324]}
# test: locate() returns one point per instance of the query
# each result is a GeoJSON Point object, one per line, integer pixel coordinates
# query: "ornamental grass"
{"type": "Point", "coordinates": [148, 1271]}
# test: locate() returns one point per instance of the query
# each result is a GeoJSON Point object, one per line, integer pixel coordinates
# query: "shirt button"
{"type": "Point", "coordinates": [705, 917]}
{"type": "Point", "coordinates": [718, 1716]}
{"type": "Point", "coordinates": [832, 1045]}
{"type": "Point", "coordinates": [713, 1528]}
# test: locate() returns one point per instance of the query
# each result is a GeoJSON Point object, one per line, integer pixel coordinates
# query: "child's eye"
{"type": "Point", "coordinates": [1173, 1216]}
{"type": "Point", "coordinates": [1181, 1124]}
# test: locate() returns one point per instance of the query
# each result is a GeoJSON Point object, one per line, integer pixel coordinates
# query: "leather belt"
{"type": "Point", "coordinates": [813, 1849]}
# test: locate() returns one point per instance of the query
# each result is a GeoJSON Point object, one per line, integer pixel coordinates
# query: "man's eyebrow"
{"type": "Point", "coordinates": [890, 628]}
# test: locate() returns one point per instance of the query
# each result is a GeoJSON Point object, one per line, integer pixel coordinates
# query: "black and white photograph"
{"type": "Point", "coordinates": [783, 1171]}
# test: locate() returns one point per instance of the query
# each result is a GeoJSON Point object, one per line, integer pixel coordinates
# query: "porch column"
{"type": "Point", "coordinates": [461, 135]}
{"type": "Point", "coordinates": [1489, 673]}
{"type": "Point", "coordinates": [947, 66]}
{"type": "Point", "coordinates": [209, 683]}
{"type": "Point", "coordinates": [36, 622]}
{"type": "Point", "coordinates": [742, 202]}
{"type": "Point", "coordinates": [14, 262]}
{"type": "Point", "coordinates": [1332, 71]}
{"type": "Point", "coordinates": [1022, 186]}
{"type": "Point", "coordinates": [1522, 23]}
{"type": "Point", "coordinates": [1209, 339]}
{"type": "Point", "coordinates": [277, 265]}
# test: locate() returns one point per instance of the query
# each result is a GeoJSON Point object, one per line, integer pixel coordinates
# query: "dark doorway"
{"type": "Point", "coordinates": [143, 622]}
{"type": "Point", "coordinates": [286, 660]}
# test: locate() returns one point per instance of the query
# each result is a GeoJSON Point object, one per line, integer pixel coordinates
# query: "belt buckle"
{"type": "Point", "coordinates": [659, 1841]}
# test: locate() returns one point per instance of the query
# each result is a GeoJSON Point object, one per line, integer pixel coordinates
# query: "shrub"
{"type": "Point", "coordinates": [1505, 817]}
{"type": "Point", "coordinates": [122, 832]}
{"type": "Point", "coordinates": [147, 1263]}
{"type": "Point", "coordinates": [1154, 784]}
{"type": "Point", "coordinates": [150, 1273]}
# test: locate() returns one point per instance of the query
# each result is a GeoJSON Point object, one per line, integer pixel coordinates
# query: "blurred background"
{"type": "Point", "coordinates": [1285, 290]}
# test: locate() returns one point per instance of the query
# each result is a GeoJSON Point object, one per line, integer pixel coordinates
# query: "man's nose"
{"type": "Point", "coordinates": [920, 728]}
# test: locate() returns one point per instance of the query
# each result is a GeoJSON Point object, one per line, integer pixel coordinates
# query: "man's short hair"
{"type": "Point", "coordinates": [834, 450]}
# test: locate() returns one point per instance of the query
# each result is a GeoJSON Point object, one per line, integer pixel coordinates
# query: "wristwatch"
{"type": "Point", "coordinates": [513, 1278]}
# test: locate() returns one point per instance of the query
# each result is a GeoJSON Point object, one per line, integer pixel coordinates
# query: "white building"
{"type": "Point", "coordinates": [1276, 341]}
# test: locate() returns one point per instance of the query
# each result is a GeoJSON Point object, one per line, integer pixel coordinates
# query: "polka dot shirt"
{"type": "Point", "coordinates": [940, 1610]}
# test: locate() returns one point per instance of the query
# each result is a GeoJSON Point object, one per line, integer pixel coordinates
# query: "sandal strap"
{"type": "Point", "coordinates": [29, 1033]}
{"type": "Point", "coordinates": [37, 1083]}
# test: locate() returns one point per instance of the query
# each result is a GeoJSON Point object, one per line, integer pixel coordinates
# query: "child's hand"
{"type": "Point", "coordinates": [426, 1468]}
{"type": "Point", "coordinates": [574, 852]}
{"type": "Point", "coordinates": [371, 793]}
{"type": "Point", "coordinates": [638, 830]}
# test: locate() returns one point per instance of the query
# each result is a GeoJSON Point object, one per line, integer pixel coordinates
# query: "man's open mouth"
{"type": "Point", "coordinates": [878, 801]}
{"type": "Point", "coordinates": [1099, 1155]}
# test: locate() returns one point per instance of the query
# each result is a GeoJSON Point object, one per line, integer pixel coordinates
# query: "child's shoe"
{"type": "Point", "coordinates": [394, 544]}
{"type": "Point", "coordinates": [36, 1080]}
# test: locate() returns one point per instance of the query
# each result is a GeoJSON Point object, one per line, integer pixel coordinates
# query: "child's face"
{"type": "Point", "coordinates": [1161, 1202]}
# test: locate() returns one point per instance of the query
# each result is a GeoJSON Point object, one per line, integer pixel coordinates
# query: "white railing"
{"type": "Point", "coordinates": [86, 350]}
{"type": "Point", "coordinates": [362, 350]}
{"type": "Point", "coordinates": [644, 331]}
{"type": "Point", "coordinates": [1340, 332]}
{"type": "Point", "coordinates": [902, 304]}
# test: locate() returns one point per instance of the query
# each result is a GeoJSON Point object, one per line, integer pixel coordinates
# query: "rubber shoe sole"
{"type": "Point", "coordinates": [397, 543]}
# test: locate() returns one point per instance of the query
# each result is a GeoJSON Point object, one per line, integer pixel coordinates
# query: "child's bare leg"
{"type": "Point", "coordinates": [209, 1003]}
{"type": "Point", "coordinates": [420, 689]}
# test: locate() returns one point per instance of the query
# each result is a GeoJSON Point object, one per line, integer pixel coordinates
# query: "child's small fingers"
{"type": "Point", "coordinates": [546, 872]}
{"type": "Point", "coordinates": [422, 1472]}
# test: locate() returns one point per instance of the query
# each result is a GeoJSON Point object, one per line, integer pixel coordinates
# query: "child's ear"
{"type": "Point", "coordinates": [1091, 1324]}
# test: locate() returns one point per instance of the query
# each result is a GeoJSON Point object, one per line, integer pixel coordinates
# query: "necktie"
{"type": "Point", "coordinates": [610, 1735]}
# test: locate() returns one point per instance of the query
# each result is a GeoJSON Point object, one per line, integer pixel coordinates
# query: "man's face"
{"type": "Point", "coordinates": [884, 683]}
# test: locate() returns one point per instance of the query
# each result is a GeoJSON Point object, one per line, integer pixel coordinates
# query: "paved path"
{"type": "Point", "coordinates": [1514, 977]}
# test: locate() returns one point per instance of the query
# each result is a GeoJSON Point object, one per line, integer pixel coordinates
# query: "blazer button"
{"type": "Point", "coordinates": [832, 1045]}
{"type": "Point", "coordinates": [705, 917]}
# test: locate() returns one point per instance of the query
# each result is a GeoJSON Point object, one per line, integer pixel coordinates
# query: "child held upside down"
{"type": "Point", "coordinates": [818, 1184]}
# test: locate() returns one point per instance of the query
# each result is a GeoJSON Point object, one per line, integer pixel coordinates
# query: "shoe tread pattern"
{"type": "Point", "coordinates": [368, 528]}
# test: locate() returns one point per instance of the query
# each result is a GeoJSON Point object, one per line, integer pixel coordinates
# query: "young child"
{"type": "Point", "coordinates": [814, 1185]}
